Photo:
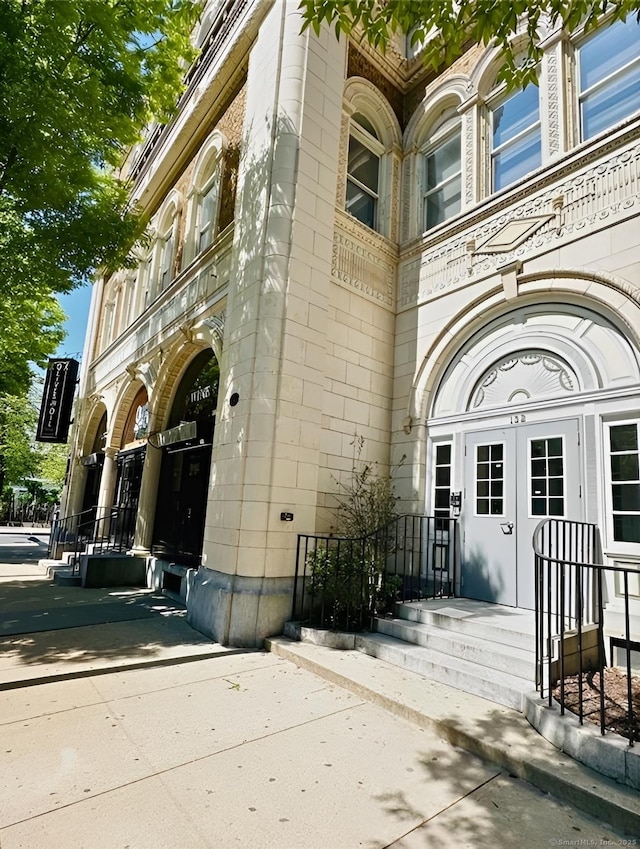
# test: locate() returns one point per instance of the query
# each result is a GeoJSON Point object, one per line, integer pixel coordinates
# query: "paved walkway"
{"type": "Point", "coordinates": [202, 747]}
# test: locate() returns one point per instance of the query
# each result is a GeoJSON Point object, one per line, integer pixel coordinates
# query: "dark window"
{"type": "Point", "coordinates": [546, 480]}
{"type": "Point", "coordinates": [625, 482]}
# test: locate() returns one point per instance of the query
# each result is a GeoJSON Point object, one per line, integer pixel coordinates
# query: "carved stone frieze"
{"type": "Point", "coordinates": [553, 105]}
{"type": "Point", "coordinates": [362, 264]}
{"type": "Point", "coordinates": [360, 65]}
{"type": "Point", "coordinates": [467, 122]}
{"type": "Point", "coordinates": [590, 197]}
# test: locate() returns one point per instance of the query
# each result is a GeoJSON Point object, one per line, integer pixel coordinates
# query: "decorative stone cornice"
{"type": "Point", "coordinates": [604, 188]}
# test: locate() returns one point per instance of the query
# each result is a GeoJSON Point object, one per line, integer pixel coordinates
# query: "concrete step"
{"type": "Point", "coordinates": [496, 686]}
{"type": "Point", "coordinates": [67, 578]}
{"type": "Point", "coordinates": [495, 623]}
{"type": "Point", "coordinates": [502, 657]}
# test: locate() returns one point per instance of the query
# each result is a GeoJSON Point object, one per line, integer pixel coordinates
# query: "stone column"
{"type": "Point", "coordinates": [107, 488]}
{"type": "Point", "coordinates": [147, 501]}
{"type": "Point", "coordinates": [266, 451]}
{"type": "Point", "coordinates": [72, 498]}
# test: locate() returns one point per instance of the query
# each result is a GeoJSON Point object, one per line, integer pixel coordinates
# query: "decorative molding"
{"type": "Point", "coordinates": [216, 325]}
{"type": "Point", "coordinates": [408, 192]}
{"type": "Point", "coordinates": [528, 376]}
{"type": "Point", "coordinates": [469, 156]}
{"type": "Point", "coordinates": [395, 196]}
{"type": "Point", "coordinates": [553, 106]}
{"type": "Point", "coordinates": [186, 328]}
{"type": "Point", "coordinates": [363, 264]}
{"type": "Point", "coordinates": [341, 182]}
{"type": "Point", "coordinates": [599, 192]}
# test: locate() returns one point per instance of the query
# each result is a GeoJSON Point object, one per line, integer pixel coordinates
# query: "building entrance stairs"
{"type": "Point", "coordinates": [479, 648]}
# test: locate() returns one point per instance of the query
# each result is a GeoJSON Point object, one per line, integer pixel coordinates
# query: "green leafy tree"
{"type": "Point", "coordinates": [79, 80]}
{"type": "Point", "coordinates": [18, 458]}
{"type": "Point", "coordinates": [52, 463]}
{"type": "Point", "coordinates": [458, 24]}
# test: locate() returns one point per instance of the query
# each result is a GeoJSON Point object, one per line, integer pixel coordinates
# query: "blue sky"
{"type": "Point", "coordinates": [76, 306]}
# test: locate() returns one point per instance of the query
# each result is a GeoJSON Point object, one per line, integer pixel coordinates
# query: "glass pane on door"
{"type": "Point", "coordinates": [490, 479]}
{"type": "Point", "coordinates": [546, 476]}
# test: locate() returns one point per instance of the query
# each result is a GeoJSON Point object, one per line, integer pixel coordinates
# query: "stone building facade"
{"type": "Point", "coordinates": [346, 244]}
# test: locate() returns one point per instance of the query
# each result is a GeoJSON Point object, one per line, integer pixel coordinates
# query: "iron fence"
{"type": "Point", "coordinates": [98, 530]}
{"type": "Point", "coordinates": [573, 586]}
{"type": "Point", "coordinates": [342, 583]}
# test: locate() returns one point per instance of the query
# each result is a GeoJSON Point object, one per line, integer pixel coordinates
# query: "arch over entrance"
{"type": "Point", "coordinates": [92, 460]}
{"type": "Point", "coordinates": [130, 462]}
{"type": "Point", "coordinates": [186, 447]}
{"type": "Point", "coordinates": [517, 415]}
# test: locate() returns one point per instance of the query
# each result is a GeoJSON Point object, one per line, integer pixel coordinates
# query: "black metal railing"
{"type": "Point", "coordinates": [572, 584]}
{"type": "Point", "coordinates": [342, 583]}
{"type": "Point", "coordinates": [98, 530]}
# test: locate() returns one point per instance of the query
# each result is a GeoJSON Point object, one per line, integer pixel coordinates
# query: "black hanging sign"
{"type": "Point", "coordinates": [57, 399]}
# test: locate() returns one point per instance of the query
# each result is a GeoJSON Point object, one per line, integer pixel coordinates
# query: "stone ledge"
{"type": "Point", "coordinates": [610, 755]}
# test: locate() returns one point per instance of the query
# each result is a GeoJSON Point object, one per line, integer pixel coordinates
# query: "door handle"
{"type": "Point", "coordinates": [506, 527]}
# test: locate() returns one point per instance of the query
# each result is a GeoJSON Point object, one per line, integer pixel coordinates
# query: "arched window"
{"type": "Point", "coordinates": [370, 157]}
{"type": "Point", "coordinates": [442, 173]}
{"type": "Point", "coordinates": [204, 196]}
{"type": "Point", "coordinates": [208, 210]}
{"type": "Point", "coordinates": [160, 268]}
{"type": "Point", "coordinates": [516, 143]}
{"type": "Point", "coordinates": [165, 257]}
{"type": "Point", "coordinates": [608, 76]}
{"type": "Point", "coordinates": [436, 160]}
{"type": "Point", "coordinates": [363, 171]}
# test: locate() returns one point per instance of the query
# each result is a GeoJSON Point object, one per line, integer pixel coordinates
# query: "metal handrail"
{"type": "Point", "coordinates": [105, 529]}
{"type": "Point", "coordinates": [64, 527]}
{"type": "Point", "coordinates": [569, 605]}
{"type": "Point", "coordinates": [344, 582]}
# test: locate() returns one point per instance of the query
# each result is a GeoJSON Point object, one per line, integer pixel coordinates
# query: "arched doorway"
{"type": "Point", "coordinates": [186, 461]}
{"type": "Point", "coordinates": [130, 464]}
{"type": "Point", "coordinates": [93, 463]}
{"type": "Point", "coordinates": [516, 429]}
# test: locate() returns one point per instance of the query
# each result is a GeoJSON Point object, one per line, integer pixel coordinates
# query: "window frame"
{"type": "Point", "coordinates": [444, 133]}
{"type": "Point", "coordinates": [547, 478]}
{"type": "Point", "coordinates": [208, 174]}
{"type": "Point", "coordinates": [581, 94]}
{"type": "Point", "coordinates": [622, 546]}
{"type": "Point", "coordinates": [211, 184]}
{"type": "Point", "coordinates": [499, 97]}
{"type": "Point", "coordinates": [166, 252]}
{"type": "Point", "coordinates": [375, 147]}
{"type": "Point", "coordinates": [489, 497]}
{"type": "Point", "coordinates": [438, 512]}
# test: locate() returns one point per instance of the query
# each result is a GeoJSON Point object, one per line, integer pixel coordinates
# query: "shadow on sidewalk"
{"type": "Point", "coordinates": [53, 626]}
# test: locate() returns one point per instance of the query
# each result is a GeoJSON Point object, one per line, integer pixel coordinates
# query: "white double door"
{"type": "Point", "coordinates": [514, 477]}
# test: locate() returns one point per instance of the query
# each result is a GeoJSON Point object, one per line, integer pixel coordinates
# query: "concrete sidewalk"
{"type": "Point", "coordinates": [52, 633]}
{"type": "Point", "coordinates": [142, 733]}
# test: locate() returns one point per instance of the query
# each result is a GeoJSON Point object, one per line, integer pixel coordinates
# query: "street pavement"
{"type": "Point", "coordinates": [139, 732]}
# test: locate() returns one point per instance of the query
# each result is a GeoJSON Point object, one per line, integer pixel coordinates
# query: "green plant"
{"type": "Point", "coordinates": [348, 580]}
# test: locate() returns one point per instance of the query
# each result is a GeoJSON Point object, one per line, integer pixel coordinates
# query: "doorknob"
{"type": "Point", "coordinates": [506, 527]}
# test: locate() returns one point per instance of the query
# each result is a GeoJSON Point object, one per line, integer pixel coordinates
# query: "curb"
{"type": "Point", "coordinates": [547, 769]}
{"type": "Point", "coordinates": [121, 667]}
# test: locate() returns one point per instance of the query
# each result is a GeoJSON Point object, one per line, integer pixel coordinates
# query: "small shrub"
{"type": "Point", "coordinates": [348, 581]}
